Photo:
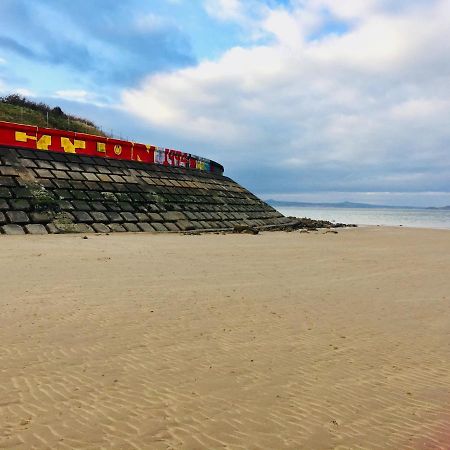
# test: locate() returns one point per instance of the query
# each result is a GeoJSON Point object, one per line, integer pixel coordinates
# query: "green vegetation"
{"type": "Point", "coordinates": [42, 200]}
{"type": "Point", "coordinates": [15, 108]}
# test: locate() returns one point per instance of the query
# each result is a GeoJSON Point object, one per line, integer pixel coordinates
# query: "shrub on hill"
{"type": "Point", "coordinates": [15, 108]}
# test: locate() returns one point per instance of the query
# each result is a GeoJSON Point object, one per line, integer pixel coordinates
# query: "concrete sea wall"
{"type": "Point", "coordinates": [57, 192]}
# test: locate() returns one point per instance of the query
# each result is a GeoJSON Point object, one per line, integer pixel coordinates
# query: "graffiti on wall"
{"type": "Point", "coordinates": [48, 139]}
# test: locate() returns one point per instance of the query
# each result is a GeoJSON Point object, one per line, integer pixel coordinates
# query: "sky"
{"type": "Point", "coordinates": [302, 100]}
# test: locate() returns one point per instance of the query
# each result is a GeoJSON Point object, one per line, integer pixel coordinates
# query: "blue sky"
{"type": "Point", "coordinates": [323, 100]}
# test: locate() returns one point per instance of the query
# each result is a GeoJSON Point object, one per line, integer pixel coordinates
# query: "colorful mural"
{"type": "Point", "coordinates": [48, 139]}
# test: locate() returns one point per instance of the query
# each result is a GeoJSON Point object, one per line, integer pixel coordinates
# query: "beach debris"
{"type": "Point", "coordinates": [304, 225]}
{"type": "Point", "coordinates": [331, 231]}
{"type": "Point", "coordinates": [245, 229]}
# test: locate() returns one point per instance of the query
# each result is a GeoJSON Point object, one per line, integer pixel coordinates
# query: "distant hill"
{"type": "Point", "coordinates": [330, 205]}
{"type": "Point", "coordinates": [281, 203]}
{"type": "Point", "coordinates": [440, 207]}
{"type": "Point", "coordinates": [15, 108]}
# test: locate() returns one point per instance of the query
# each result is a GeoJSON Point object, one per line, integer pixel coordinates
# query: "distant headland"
{"type": "Point", "coordinates": [281, 203]}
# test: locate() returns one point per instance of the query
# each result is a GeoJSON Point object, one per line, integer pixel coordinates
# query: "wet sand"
{"type": "Point", "coordinates": [276, 341]}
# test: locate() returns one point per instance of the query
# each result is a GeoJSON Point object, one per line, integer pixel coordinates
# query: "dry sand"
{"type": "Point", "coordinates": [276, 341]}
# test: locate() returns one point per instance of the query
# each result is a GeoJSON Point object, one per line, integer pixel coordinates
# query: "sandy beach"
{"type": "Point", "coordinates": [275, 341]}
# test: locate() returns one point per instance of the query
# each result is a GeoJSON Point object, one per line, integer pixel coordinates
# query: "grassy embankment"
{"type": "Point", "coordinates": [15, 108]}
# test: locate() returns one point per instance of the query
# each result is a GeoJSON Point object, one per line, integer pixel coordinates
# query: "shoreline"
{"type": "Point", "coordinates": [277, 340]}
{"type": "Point", "coordinates": [411, 218]}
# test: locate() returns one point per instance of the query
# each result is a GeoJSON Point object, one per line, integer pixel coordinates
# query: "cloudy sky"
{"type": "Point", "coordinates": [323, 100]}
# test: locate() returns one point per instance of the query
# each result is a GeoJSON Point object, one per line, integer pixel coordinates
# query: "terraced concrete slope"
{"type": "Point", "coordinates": [47, 192]}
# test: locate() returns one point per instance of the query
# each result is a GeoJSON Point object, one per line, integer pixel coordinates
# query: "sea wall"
{"type": "Point", "coordinates": [58, 192]}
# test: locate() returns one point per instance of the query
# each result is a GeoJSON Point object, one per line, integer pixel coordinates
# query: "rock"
{"type": "Point", "coordinates": [245, 229]}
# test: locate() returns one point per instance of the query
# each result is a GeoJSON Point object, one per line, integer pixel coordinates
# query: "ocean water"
{"type": "Point", "coordinates": [418, 218]}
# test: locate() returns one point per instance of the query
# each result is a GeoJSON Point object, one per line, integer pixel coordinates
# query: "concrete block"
{"type": "Point", "coordinates": [20, 204]}
{"type": "Point", "coordinates": [82, 216]}
{"type": "Point", "coordinates": [97, 206]}
{"type": "Point", "coordinates": [125, 206]}
{"type": "Point", "coordinates": [99, 216]}
{"type": "Point", "coordinates": [159, 227]}
{"type": "Point", "coordinates": [17, 217]}
{"type": "Point", "coordinates": [146, 227]}
{"type": "Point", "coordinates": [155, 217]}
{"type": "Point", "coordinates": [52, 228]}
{"type": "Point", "coordinates": [185, 225]}
{"type": "Point", "coordinates": [35, 228]}
{"type": "Point", "coordinates": [129, 217]}
{"type": "Point", "coordinates": [171, 226]}
{"type": "Point", "coordinates": [82, 228]}
{"type": "Point", "coordinates": [80, 195]}
{"type": "Point", "coordinates": [100, 228]}
{"type": "Point", "coordinates": [12, 229]}
{"type": "Point", "coordinates": [131, 227]}
{"type": "Point", "coordinates": [7, 181]}
{"type": "Point", "coordinates": [9, 171]}
{"type": "Point", "coordinates": [81, 205]}
{"type": "Point", "coordinates": [5, 192]}
{"type": "Point", "coordinates": [43, 173]}
{"type": "Point", "coordinates": [113, 216]}
{"type": "Point", "coordinates": [90, 176]}
{"type": "Point", "coordinates": [41, 217]}
{"type": "Point", "coordinates": [117, 228]}
{"type": "Point", "coordinates": [141, 217]}
{"type": "Point", "coordinates": [173, 216]}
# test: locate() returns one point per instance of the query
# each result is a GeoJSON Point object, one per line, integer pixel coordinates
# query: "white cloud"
{"type": "Point", "coordinates": [80, 96]}
{"type": "Point", "coordinates": [72, 94]}
{"type": "Point", "coordinates": [151, 22]}
{"type": "Point", "coordinates": [372, 98]}
{"type": "Point", "coordinates": [2, 61]}
{"type": "Point", "coordinates": [24, 92]}
{"type": "Point", "coordinates": [225, 9]}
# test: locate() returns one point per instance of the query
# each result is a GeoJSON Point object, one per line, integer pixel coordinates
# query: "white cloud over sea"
{"type": "Point", "coordinates": [296, 98]}
{"type": "Point", "coordinates": [322, 95]}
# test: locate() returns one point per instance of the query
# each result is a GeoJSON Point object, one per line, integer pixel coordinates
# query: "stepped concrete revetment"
{"type": "Point", "coordinates": [48, 192]}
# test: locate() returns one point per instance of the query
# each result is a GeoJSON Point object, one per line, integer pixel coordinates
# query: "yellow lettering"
{"type": "Point", "coordinates": [117, 149]}
{"type": "Point", "coordinates": [44, 142]}
{"type": "Point", "coordinates": [101, 147]}
{"type": "Point", "coordinates": [24, 137]}
{"type": "Point", "coordinates": [72, 148]}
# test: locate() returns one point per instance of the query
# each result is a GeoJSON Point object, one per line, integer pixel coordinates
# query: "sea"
{"type": "Point", "coordinates": [416, 218]}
